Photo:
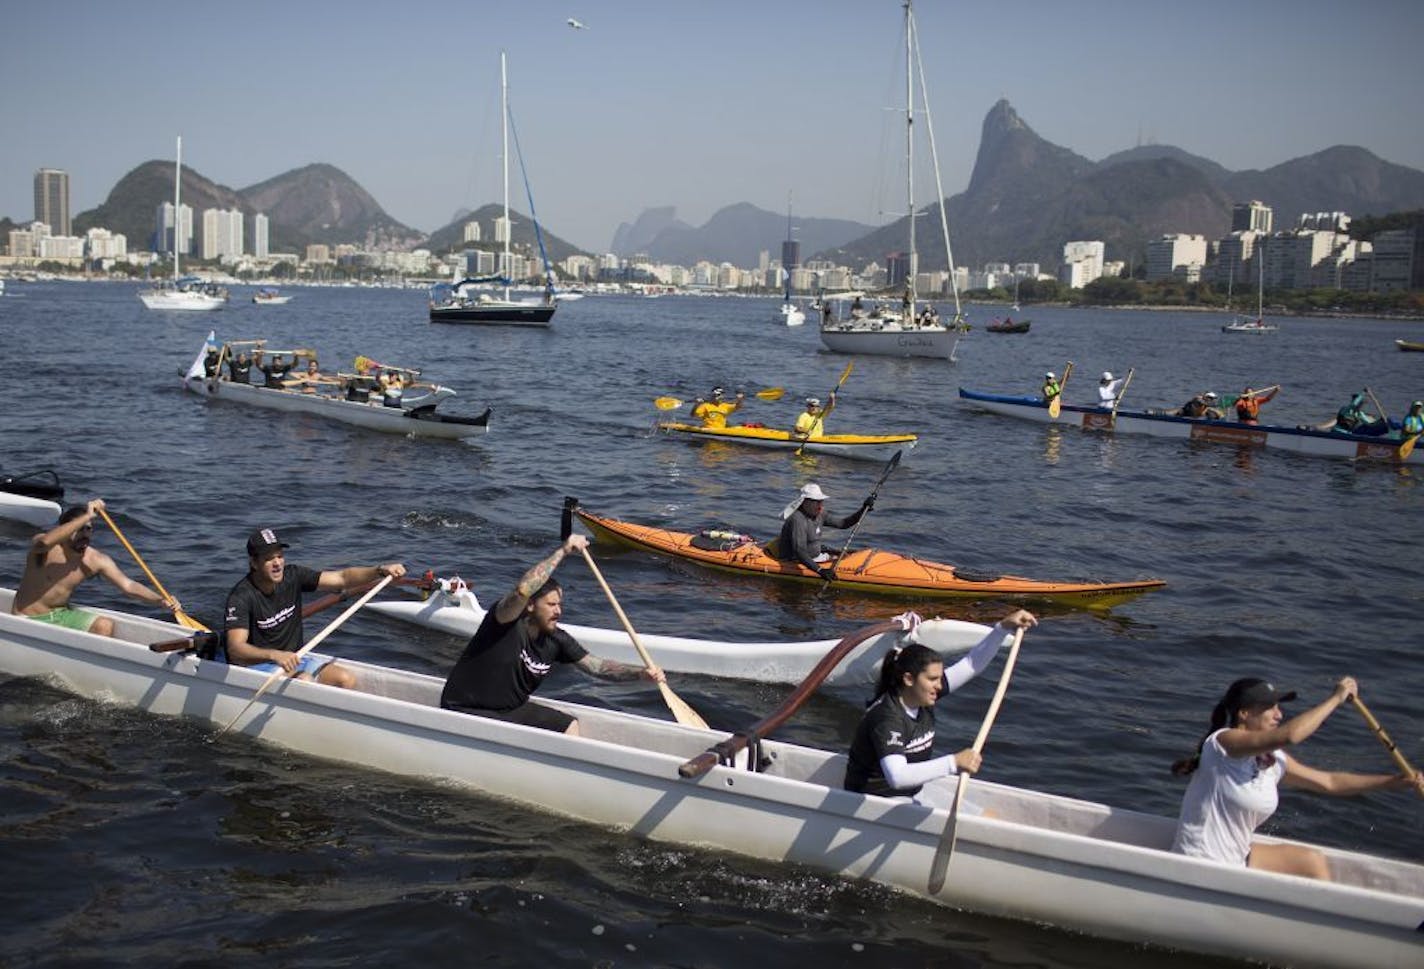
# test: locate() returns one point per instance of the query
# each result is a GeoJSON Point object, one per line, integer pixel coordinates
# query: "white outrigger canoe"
{"type": "Point", "coordinates": [1301, 440]}
{"type": "Point", "coordinates": [1038, 857]}
{"type": "Point", "coordinates": [454, 608]}
{"type": "Point", "coordinates": [416, 416]}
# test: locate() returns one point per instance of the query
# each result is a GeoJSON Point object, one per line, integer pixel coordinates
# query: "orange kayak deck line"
{"type": "Point", "coordinates": [863, 570]}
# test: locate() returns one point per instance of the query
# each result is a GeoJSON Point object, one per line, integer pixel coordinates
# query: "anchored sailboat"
{"type": "Point", "coordinates": [906, 330]}
{"type": "Point", "coordinates": [185, 292]}
{"type": "Point", "coordinates": [467, 301]}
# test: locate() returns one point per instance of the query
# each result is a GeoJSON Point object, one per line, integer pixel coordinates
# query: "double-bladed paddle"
{"type": "Point", "coordinates": [890, 466]}
{"type": "Point", "coordinates": [673, 403]}
{"type": "Point", "coordinates": [830, 404]}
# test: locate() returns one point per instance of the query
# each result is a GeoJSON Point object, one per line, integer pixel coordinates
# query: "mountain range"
{"type": "Point", "coordinates": [1026, 197]}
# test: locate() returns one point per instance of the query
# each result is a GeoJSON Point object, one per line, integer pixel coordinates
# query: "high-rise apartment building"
{"type": "Point", "coordinates": [261, 233]}
{"type": "Point", "coordinates": [52, 199]}
{"type": "Point", "coordinates": [1251, 217]}
{"type": "Point", "coordinates": [222, 234]}
{"type": "Point", "coordinates": [173, 234]}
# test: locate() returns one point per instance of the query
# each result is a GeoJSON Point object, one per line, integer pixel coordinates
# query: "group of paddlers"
{"type": "Point", "coordinates": [1245, 407]}
{"type": "Point", "coordinates": [1235, 770]}
{"type": "Point", "coordinates": [372, 382]}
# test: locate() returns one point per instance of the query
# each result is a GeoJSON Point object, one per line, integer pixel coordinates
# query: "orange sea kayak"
{"type": "Point", "coordinates": [862, 570]}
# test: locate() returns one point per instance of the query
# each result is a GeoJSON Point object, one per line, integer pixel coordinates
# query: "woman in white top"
{"type": "Point", "coordinates": [1237, 768]}
{"type": "Point", "coordinates": [1107, 390]}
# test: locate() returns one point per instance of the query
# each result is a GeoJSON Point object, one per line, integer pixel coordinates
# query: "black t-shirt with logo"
{"type": "Point", "coordinates": [504, 663]}
{"type": "Point", "coordinates": [272, 621]}
{"type": "Point", "coordinates": [887, 729]}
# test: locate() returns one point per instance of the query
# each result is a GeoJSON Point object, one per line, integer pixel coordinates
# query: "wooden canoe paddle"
{"type": "Point", "coordinates": [1118, 399]}
{"type": "Point", "coordinates": [181, 617]}
{"type": "Point", "coordinates": [684, 714]}
{"type": "Point", "coordinates": [331, 628]}
{"type": "Point", "coordinates": [1055, 406]}
{"type": "Point", "coordinates": [939, 868]}
{"type": "Point", "coordinates": [1384, 738]}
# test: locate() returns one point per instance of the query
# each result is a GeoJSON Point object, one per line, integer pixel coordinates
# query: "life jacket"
{"type": "Point", "coordinates": [1248, 408]}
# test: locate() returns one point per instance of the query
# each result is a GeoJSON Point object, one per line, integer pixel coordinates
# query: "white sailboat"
{"type": "Point", "coordinates": [185, 292]}
{"type": "Point", "coordinates": [468, 301]}
{"type": "Point", "coordinates": [905, 331]}
{"type": "Point", "coordinates": [791, 314]}
{"type": "Point", "coordinates": [1259, 325]}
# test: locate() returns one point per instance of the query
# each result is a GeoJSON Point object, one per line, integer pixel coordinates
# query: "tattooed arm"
{"type": "Point", "coordinates": [508, 609]}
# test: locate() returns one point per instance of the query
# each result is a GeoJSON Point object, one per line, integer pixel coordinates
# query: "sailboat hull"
{"type": "Point", "coordinates": [890, 340]}
{"type": "Point", "coordinates": [494, 314]}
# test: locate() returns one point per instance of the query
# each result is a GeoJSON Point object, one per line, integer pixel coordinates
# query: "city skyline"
{"type": "Point", "coordinates": [693, 107]}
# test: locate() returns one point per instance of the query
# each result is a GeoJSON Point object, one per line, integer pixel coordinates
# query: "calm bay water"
{"type": "Point", "coordinates": [123, 837]}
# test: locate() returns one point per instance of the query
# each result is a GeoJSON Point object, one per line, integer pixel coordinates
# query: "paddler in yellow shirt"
{"type": "Point", "coordinates": [811, 422]}
{"type": "Point", "coordinates": [713, 412]}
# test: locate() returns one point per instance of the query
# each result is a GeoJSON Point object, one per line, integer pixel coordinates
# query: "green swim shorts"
{"type": "Point", "coordinates": [68, 618]}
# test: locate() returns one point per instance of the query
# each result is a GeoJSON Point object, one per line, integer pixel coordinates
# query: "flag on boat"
{"type": "Point", "coordinates": [197, 371]}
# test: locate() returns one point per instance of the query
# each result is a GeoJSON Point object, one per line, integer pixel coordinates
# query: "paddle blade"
{"type": "Point", "coordinates": [1055, 406]}
{"type": "Point", "coordinates": [187, 621]}
{"type": "Point", "coordinates": [362, 363]}
{"type": "Point", "coordinates": [845, 373]}
{"type": "Point", "coordinates": [772, 393]}
{"type": "Point", "coordinates": [683, 713]}
{"type": "Point", "coordinates": [1407, 448]}
{"type": "Point", "coordinates": [667, 403]}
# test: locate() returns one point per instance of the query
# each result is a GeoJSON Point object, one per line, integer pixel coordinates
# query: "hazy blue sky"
{"type": "Point", "coordinates": [696, 105]}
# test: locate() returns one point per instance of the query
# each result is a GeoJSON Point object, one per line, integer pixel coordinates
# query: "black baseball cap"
{"type": "Point", "coordinates": [1255, 694]}
{"type": "Point", "coordinates": [263, 541]}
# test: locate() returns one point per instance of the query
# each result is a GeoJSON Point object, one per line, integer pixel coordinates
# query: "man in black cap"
{"type": "Point", "coordinates": [263, 624]}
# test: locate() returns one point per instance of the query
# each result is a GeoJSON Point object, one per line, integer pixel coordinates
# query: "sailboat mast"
{"type": "Point", "coordinates": [177, 209]}
{"type": "Point", "coordinates": [910, 151]}
{"type": "Point", "coordinates": [504, 128]}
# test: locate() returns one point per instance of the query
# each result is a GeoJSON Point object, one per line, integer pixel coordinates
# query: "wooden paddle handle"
{"type": "Point", "coordinates": [1384, 738]}
{"type": "Point", "coordinates": [999, 691]}
{"type": "Point", "coordinates": [622, 617]}
{"type": "Point", "coordinates": [137, 558]}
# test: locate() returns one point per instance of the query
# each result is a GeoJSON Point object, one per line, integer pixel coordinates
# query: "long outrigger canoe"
{"type": "Point", "coordinates": [415, 417]}
{"type": "Point", "coordinates": [1032, 856]}
{"type": "Point", "coordinates": [1301, 440]}
{"type": "Point", "coordinates": [862, 570]}
{"type": "Point", "coordinates": [872, 447]}
{"type": "Point", "coordinates": [456, 610]}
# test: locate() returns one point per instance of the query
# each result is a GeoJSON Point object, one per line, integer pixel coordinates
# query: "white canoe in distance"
{"type": "Point", "coordinates": [455, 609]}
{"type": "Point", "coordinates": [1037, 857]}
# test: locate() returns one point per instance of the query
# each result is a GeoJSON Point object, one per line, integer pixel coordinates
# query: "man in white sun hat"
{"type": "Point", "coordinates": [1107, 390]}
{"type": "Point", "coordinates": [801, 531]}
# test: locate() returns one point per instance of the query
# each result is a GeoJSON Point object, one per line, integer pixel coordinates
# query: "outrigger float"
{"type": "Point", "coordinates": [455, 609]}
{"type": "Point", "coordinates": [414, 414]}
{"type": "Point", "coordinates": [1301, 440]}
{"type": "Point", "coordinates": [1031, 856]}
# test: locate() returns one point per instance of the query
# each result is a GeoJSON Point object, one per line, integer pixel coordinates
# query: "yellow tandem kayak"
{"type": "Point", "coordinates": [872, 447]}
